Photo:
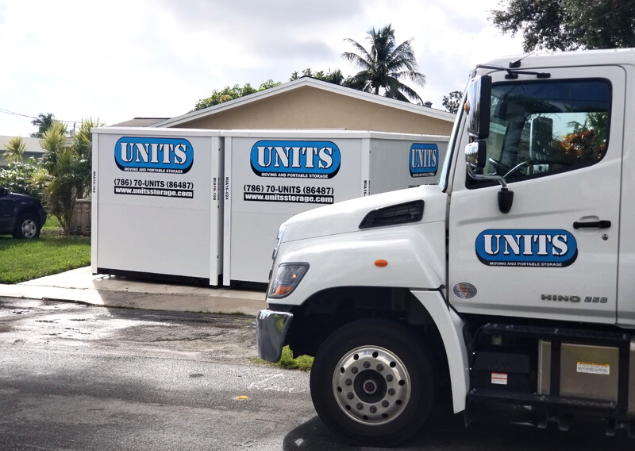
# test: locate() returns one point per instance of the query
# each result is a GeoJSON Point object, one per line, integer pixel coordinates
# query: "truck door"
{"type": "Point", "coordinates": [558, 144]}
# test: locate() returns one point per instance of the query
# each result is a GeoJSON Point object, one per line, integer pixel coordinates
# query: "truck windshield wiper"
{"type": "Point", "coordinates": [512, 74]}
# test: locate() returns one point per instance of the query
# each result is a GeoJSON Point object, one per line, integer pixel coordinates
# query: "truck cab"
{"type": "Point", "coordinates": [510, 282]}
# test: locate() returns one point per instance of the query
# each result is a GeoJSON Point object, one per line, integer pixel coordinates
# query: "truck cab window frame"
{"type": "Point", "coordinates": [546, 127]}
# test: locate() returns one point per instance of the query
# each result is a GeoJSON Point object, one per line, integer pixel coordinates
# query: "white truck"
{"type": "Point", "coordinates": [512, 281]}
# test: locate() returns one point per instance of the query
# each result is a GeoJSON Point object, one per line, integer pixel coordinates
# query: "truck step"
{"type": "Point", "coordinates": [485, 395]}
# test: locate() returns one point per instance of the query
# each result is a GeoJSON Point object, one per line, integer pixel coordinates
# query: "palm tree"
{"type": "Point", "coordinates": [43, 123]}
{"type": "Point", "coordinates": [64, 187]}
{"type": "Point", "coordinates": [14, 149]}
{"type": "Point", "coordinates": [83, 148]}
{"type": "Point", "coordinates": [385, 65]}
{"type": "Point", "coordinates": [53, 142]}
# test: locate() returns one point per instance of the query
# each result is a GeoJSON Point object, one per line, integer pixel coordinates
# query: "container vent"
{"type": "Point", "coordinates": [393, 215]}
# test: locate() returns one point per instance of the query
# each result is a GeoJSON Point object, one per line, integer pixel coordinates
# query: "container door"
{"type": "Point", "coordinates": [558, 144]}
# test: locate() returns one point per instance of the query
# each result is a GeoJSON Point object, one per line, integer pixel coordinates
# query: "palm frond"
{"type": "Point", "coordinates": [415, 77]}
{"type": "Point", "coordinates": [356, 59]}
{"type": "Point", "coordinates": [360, 81]}
{"type": "Point", "coordinates": [360, 48]}
{"type": "Point", "coordinates": [395, 94]}
{"type": "Point", "coordinates": [396, 86]}
{"type": "Point", "coordinates": [403, 50]}
{"type": "Point", "coordinates": [402, 60]}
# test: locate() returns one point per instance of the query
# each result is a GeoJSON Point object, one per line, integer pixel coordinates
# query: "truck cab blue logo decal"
{"type": "Point", "coordinates": [158, 155]}
{"type": "Point", "coordinates": [295, 159]}
{"type": "Point", "coordinates": [424, 160]}
{"type": "Point", "coordinates": [530, 247]}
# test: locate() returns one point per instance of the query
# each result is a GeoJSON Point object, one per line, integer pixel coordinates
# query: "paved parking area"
{"type": "Point", "coordinates": [75, 377]}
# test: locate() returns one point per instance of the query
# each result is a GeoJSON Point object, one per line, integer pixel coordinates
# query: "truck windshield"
{"type": "Point", "coordinates": [542, 127]}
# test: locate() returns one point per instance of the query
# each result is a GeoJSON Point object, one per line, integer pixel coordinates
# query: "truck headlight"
{"type": "Point", "coordinates": [288, 276]}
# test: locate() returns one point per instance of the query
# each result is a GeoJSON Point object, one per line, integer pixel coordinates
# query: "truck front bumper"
{"type": "Point", "coordinates": [271, 332]}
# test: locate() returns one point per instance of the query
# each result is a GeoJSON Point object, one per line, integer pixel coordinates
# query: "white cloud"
{"type": "Point", "coordinates": [121, 59]}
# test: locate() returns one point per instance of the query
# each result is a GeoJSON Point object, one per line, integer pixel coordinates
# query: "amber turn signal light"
{"type": "Point", "coordinates": [282, 290]}
{"type": "Point", "coordinates": [381, 263]}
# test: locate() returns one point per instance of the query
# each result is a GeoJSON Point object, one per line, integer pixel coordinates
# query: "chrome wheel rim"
{"type": "Point", "coordinates": [29, 228]}
{"type": "Point", "coordinates": [371, 385]}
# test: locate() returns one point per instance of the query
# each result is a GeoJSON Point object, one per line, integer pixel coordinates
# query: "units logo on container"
{"type": "Point", "coordinates": [296, 159]}
{"type": "Point", "coordinates": [531, 247]}
{"type": "Point", "coordinates": [424, 160]}
{"type": "Point", "coordinates": [157, 155]}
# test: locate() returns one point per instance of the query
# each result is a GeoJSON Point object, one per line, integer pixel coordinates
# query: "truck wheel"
{"type": "Point", "coordinates": [27, 227]}
{"type": "Point", "coordinates": [372, 383]}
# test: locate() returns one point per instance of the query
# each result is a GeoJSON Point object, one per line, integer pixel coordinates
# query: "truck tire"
{"type": "Point", "coordinates": [372, 383]}
{"type": "Point", "coordinates": [27, 227]}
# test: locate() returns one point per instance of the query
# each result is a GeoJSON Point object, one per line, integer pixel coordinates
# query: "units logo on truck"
{"type": "Point", "coordinates": [296, 159]}
{"type": "Point", "coordinates": [424, 160]}
{"type": "Point", "coordinates": [155, 155]}
{"type": "Point", "coordinates": [523, 248]}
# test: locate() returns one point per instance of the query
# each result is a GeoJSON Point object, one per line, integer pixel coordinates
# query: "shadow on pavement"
{"type": "Point", "coordinates": [448, 432]}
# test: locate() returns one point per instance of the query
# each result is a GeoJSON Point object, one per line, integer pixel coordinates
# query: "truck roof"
{"type": "Point", "coordinates": [573, 58]}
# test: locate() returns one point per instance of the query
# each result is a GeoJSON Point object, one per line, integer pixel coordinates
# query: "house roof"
{"type": "Point", "coordinates": [140, 122]}
{"type": "Point", "coordinates": [313, 83]}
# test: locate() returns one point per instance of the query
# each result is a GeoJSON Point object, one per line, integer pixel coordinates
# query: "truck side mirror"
{"type": "Point", "coordinates": [477, 106]}
{"type": "Point", "coordinates": [3, 191]}
{"type": "Point", "coordinates": [476, 154]}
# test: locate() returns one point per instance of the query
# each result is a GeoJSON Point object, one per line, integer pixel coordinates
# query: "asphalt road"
{"type": "Point", "coordinates": [89, 378]}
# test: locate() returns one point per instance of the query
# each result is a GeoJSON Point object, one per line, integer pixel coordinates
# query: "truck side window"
{"type": "Point", "coordinates": [541, 128]}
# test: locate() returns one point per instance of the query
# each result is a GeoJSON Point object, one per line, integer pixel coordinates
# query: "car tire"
{"type": "Point", "coordinates": [372, 383]}
{"type": "Point", "coordinates": [28, 227]}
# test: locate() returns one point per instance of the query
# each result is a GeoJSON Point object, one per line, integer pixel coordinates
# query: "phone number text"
{"type": "Point", "coordinates": [154, 183]}
{"type": "Point", "coordinates": [286, 189]}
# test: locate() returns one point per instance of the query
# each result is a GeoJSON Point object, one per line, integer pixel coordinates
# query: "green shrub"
{"type": "Point", "coordinates": [25, 178]}
{"type": "Point", "coordinates": [303, 362]}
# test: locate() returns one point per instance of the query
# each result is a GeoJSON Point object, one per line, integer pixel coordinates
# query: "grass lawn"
{"type": "Point", "coordinates": [22, 260]}
{"type": "Point", "coordinates": [52, 224]}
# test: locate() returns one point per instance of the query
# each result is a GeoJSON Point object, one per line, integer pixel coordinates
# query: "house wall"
{"type": "Point", "coordinates": [33, 149]}
{"type": "Point", "coordinates": [25, 157]}
{"type": "Point", "coordinates": [311, 108]}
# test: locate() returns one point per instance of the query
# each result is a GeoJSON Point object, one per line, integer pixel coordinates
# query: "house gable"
{"type": "Point", "coordinates": [307, 107]}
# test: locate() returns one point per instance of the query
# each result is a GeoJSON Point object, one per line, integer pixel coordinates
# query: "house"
{"type": "Point", "coordinates": [33, 149]}
{"type": "Point", "coordinates": [308, 103]}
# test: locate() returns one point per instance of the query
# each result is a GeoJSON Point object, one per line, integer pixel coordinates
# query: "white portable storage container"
{"type": "Point", "coordinates": [271, 176]}
{"type": "Point", "coordinates": [156, 203]}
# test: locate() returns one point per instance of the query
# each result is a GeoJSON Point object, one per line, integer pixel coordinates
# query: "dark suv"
{"type": "Point", "coordinates": [20, 215]}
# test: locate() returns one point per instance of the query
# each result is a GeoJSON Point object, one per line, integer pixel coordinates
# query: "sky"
{"type": "Point", "coordinates": [119, 59]}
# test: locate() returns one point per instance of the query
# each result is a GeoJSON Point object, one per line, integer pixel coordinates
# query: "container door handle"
{"type": "Point", "coordinates": [588, 225]}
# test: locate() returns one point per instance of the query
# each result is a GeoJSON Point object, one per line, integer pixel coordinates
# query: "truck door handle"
{"type": "Point", "coordinates": [588, 225]}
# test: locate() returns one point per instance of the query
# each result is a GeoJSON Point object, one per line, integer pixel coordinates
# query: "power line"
{"type": "Point", "coordinates": [2, 110]}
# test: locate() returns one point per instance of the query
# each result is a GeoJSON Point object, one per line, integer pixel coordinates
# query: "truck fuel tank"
{"type": "Point", "coordinates": [586, 371]}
